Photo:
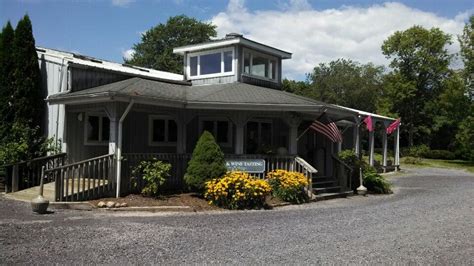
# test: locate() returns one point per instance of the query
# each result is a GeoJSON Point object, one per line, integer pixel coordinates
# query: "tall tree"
{"type": "Point", "coordinates": [156, 47]}
{"type": "Point", "coordinates": [347, 83]}
{"type": "Point", "coordinates": [420, 65]}
{"type": "Point", "coordinates": [28, 100]}
{"type": "Point", "coordinates": [467, 53]}
{"type": "Point", "coordinates": [6, 78]}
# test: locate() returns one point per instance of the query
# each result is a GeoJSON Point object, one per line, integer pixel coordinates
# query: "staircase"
{"type": "Point", "coordinates": [335, 186]}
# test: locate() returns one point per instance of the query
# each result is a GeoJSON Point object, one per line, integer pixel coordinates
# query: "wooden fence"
{"type": "Point", "coordinates": [26, 174]}
{"type": "Point", "coordinates": [84, 180]}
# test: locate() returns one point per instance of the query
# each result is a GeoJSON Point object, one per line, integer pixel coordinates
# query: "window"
{"type": "Point", "coordinates": [259, 136]}
{"type": "Point", "coordinates": [96, 129]}
{"type": "Point", "coordinates": [219, 128]}
{"type": "Point", "coordinates": [211, 64]}
{"type": "Point", "coordinates": [259, 65]}
{"type": "Point", "coordinates": [162, 130]}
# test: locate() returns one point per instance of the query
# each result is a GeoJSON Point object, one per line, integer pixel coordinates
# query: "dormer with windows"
{"type": "Point", "coordinates": [233, 59]}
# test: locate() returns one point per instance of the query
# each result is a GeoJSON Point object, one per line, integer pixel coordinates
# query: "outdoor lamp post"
{"type": "Point", "coordinates": [40, 204]}
{"type": "Point", "coordinates": [361, 190]}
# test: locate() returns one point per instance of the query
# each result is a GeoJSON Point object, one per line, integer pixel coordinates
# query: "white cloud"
{"type": "Point", "coordinates": [122, 3]}
{"type": "Point", "coordinates": [317, 36]}
{"type": "Point", "coordinates": [128, 54]}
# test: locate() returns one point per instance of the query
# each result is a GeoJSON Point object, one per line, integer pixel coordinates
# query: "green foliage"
{"type": "Point", "coordinates": [465, 138]}
{"type": "Point", "coordinates": [420, 66]}
{"type": "Point", "coordinates": [439, 154]}
{"type": "Point", "coordinates": [375, 182]}
{"type": "Point", "coordinates": [207, 162]}
{"type": "Point", "coordinates": [6, 79]}
{"type": "Point", "coordinates": [467, 53]}
{"type": "Point", "coordinates": [154, 174]}
{"type": "Point", "coordinates": [412, 160]}
{"type": "Point", "coordinates": [156, 47]}
{"type": "Point", "coordinates": [288, 186]}
{"type": "Point", "coordinates": [415, 151]}
{"type": "Point", "coordinates": [28, 102]}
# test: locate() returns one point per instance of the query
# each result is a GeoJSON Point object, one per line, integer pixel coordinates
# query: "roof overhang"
{"type": "Point", "coordinates": [365, 114]}
{"type": "Point", "coordinates": [227, 42]}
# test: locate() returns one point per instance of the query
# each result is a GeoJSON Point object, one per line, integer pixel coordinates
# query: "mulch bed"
{"type": "Point", "coordinates": [183, 199]}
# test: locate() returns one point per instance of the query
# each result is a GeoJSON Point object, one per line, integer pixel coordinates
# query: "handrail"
{"type": "Point", "coordinates": [342, 162]}
{"type": "Point", "coordinates": [348, 182]}
{"type": "Point", "coordinates": [37, 159]}
{"type": "Point", "coordinates": [80, 162]}
{"type": "Point", "coordinates": [306, 165]}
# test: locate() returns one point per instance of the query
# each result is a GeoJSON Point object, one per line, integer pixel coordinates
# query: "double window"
{"type": "Point", "coordinates": [259, 65]}
{"type": "Point", "coordinates": [220, 128]}
{"type": "Point", "coordinates": [211, 63]}
{"type": "Point", "coordinates": [259, 136]}
{"type": "Point", "coordinates": [162, 130]}
{"type": "Point", "coordinates": [96, 129]}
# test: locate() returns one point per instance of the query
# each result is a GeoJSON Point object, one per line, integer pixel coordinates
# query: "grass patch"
{"type": "Point", "coordinates": [437, 163]}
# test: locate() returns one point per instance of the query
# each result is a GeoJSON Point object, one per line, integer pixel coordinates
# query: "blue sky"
{"type": "Point", "coordinates": [108, 28]}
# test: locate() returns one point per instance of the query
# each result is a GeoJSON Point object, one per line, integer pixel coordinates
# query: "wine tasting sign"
{"type": "Point", "coordinates": [246, 165]}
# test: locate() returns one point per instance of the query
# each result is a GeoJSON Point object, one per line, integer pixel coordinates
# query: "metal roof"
{"type": "Point", "coordinates": [62, 57]}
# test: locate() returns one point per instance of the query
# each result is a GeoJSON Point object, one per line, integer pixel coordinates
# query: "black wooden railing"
{"type": "Point", "coordinates": [342, 172]}
{"type": "Point", "coordinates": [26, 174]}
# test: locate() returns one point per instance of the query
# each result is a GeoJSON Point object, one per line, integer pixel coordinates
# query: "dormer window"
{"type": "Point", "coordinates": [212, 63]}
{"type": "Point", "coordinates": [259, 65]}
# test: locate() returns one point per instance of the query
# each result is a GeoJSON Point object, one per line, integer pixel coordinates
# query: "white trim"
{"type": "Point", "coordinates": [269, 57]}
{"type": "Point", "coordinates": [215, 51]}
{"type": "Point", "coordinates": [216, 119]}
{"type": "Point", "coordinates": [99, 142]}
{"type": "Point", "coordinates": [166, 118]}
{"type": "Point", "coordinates": [227, 42]}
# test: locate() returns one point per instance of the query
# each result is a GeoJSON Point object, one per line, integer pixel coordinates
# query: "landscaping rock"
{"type": "Point", "coordinates": [110, 204]}
{"type": "Point", "coordinates": [123, 204]}
{"type": "Point", "coordinates": [101, 204]}
{"type": "Point", "coordinates": [117, 205]}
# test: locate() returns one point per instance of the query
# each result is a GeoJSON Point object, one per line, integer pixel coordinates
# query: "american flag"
{"type": "Point", "coordinates": [326, 127]}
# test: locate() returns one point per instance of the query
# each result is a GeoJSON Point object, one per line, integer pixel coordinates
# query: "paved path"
{"type": "Point", "coordinates": [429, 220]}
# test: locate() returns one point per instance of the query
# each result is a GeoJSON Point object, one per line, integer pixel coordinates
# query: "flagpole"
{"type": "Point", "coordinates": [304, 132]}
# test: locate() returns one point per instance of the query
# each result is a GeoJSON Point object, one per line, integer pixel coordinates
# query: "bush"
{"type": "Point", "coordinates": [288, 186]}
{"type": "Point", "coordinates": [415, 151]}
{"type": "Point", "coordinates": [153, 174]}
{"type": "Point", "coordinates": [412, 160]}
{"type": "Point", "coordinates": [237, 190]}
{"type": "Point", "coordinates": [439, 154]}
{"type": "Point", "coordinates": [375, 182]}
{"type": "Point", "coordinates": [207, 162]}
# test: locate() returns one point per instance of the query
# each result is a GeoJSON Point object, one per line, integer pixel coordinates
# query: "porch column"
{"type": "Point", "coordinates": [397, 148]}
{"type": "Point", "coordinates": [371, 148]}
{"type": "Point", "coordinates": [293, 124]}
{"type": "Point", "coordinates": [181, 143]}
{"type": "Point", "coordinates": [113, 114]}
{"type": "Point", "coordinates": [384, 144]}
{"type": "Point", "coordinates": [357, 137]}
{"type": "Point", "coordinates": [239, 120]}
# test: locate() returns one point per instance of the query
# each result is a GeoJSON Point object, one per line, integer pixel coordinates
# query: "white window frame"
{"type": "Point", "coordinates": [99, 142]}
{"type": "Point", "coordinates": [199, 54]}
{"type": "Point", "coordinates": [215, 120]}
{"type": "Point", "coordinates": [166, 118]}
{"type": "Point", "coordinates": [269, 57]}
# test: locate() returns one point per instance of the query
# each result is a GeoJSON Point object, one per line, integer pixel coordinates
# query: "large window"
{"type": "Point", "coordinates": [259, 65]}
{"type": "Point", "coordinates": [211, 63]}
{"type": "Point", "coordinates": [220, 128]}
{"type": "Point", "coordinates": [96, 129]}
{"type": "Point", "coordinates": [162, 130]}
{"type": "Point", "coordinates": [259, 136]}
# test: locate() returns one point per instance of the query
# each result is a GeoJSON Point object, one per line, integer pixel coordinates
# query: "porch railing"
{"type": "Point", "coordinates": [307, 169]}
{"type": "Point", "coordinates": [342, 173]}
{"type": "Point", "coordinates": [84, 180]}
{"type": "Point", "coordinates": [26, 174]}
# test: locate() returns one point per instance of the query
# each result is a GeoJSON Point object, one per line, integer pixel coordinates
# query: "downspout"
{"type": "Point", "coordinates": [57, 107]}
{"type": "Point", "coordinates": [119, 146]}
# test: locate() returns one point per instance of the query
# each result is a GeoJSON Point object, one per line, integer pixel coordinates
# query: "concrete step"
{"type": "Point", "coordinates": [334, 189]}
{"type": "Point", "coordinates": [335, 195]}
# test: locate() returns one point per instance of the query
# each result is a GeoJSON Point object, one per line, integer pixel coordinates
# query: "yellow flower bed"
{"type": "Point", "coordinates": [237, 190]}
{"type": "Point", "coordinates": [288, 186]}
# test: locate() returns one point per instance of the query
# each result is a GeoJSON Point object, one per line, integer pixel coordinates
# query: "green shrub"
{"type": "Point", "coordinates": [415, 151]}
{"type": "Point", "coordinates": [153, 174]}
{"type": "Point", "coordinates": [288, 186]}
{"type": "Point", "coordinates": [207, 162]}
{"type": "Point", "coordinates": [412, 160]}
{"type": "Point", "coordinates": [465, 139]}
{"type": "Point", "coordinates": [237, 190]}
{"type": "Point", "coordinates": [439, 154]}
{"type": "Point", "coordinates": [375, 182]}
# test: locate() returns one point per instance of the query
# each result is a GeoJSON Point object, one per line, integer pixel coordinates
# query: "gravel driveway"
{"type": "Point", "coordinates": [429, 220]}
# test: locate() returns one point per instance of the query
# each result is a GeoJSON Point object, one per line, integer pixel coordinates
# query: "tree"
{"type": "Point", "coordinates": [207, 162]}
{"type": "Point", "coordinates": [6, 78]}
{"type": "Point", "coordinates": [28, 100]}
{"type": "Point", "coordinates": [420, 65]}
{"type": "Point", "coordinates": [156, 47]}
{"type": "Point", "coordinates": [467, 53]}
{"type": "Point", "coordinates": [348, 83]}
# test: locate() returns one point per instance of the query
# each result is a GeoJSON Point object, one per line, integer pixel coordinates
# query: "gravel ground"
{"type": "Point", "coordinates": [428, 220]}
